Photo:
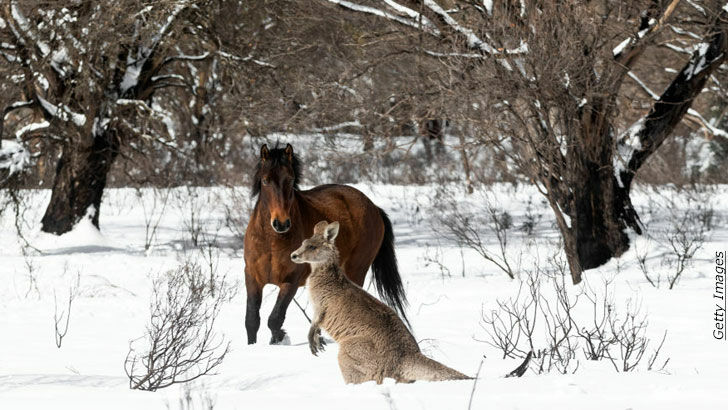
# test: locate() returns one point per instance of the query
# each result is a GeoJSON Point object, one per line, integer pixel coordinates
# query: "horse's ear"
{"type": "Point", "coordinates": [319, 228]}
{"type": "Point", "coordinates": [289, 152]}
{"type": "Point", "coordinates": [264, 152]}
{"type": "Point", "coordinates": [331, 231]}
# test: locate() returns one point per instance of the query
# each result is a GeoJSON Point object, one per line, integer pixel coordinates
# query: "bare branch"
{"type": "Point", "coordinates": [675, 101]}
{"type": "Point", "coordinates": [412, 19]}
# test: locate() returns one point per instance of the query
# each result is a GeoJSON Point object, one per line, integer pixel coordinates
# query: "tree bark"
{"type": "Point", "coordinates": [79, 184]}
{"type": "Point", "coordinates": [603, 211]}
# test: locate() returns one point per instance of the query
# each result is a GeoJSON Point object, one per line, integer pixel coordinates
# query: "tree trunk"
{"type": "Point", "coordinates": [79, 184]}
{"type": "Point", "coordinates": [602, 213]}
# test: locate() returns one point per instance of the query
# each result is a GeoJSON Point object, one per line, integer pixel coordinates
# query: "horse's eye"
{"type": "Point", "coordinates": [266, 181]}
{"type": "Point", "coordinates": [311, 247]}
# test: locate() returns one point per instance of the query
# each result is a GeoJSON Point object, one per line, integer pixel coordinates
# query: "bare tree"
{"type": "Point", "coordinates": [679, 227]}
{"type": "Point", "coordinates": [86, 74]}
{"type": "Point", "coordinates": [61, 320]}
{"type": "Point", "coordinates": [153, 213]}
{"type": "Point", "coordinates": [543, 81]}
{"type": "Point", "coordinates": [464, 225]}
{"type": "Point", "coordinates": [194, 397]}
{"type": "Point", "coordinates": [545, 323]}
{"type": "Point", "coordinates": [180, 343]}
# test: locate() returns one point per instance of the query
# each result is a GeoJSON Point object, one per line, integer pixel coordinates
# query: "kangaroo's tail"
{"type": "Point", "coordinates": [386, 275]}
{"type": "Point", "coordinates": [421, 367]}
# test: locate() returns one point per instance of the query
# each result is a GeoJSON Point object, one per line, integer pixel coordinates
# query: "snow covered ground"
{"type": "Point", "coordinates": [114, 272]}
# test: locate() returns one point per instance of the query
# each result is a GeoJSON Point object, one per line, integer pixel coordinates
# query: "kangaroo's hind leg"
{"type": "Point", "coordinates": [351, 373]}
{"type": "Point", "coordinates": [358, 362]}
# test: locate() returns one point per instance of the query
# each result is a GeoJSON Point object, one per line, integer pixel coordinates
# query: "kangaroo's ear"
{"type": "Point", "coordinates": [331, 231]}
{"type": "Point", "coordinates": [289, 152]}
{"type": "Point", "coordinates": [264, 152]}
{"type": "Point", "coordinates": [320, 227]}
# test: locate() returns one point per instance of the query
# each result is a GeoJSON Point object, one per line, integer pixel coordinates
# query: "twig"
{"type": "Point", "coordinates": [302, 310]}
{"type": "Point", "coordinates": [475, 382]}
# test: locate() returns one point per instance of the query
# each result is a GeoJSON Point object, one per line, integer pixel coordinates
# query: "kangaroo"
{"type": "Point", "coordinates": [373, 341]}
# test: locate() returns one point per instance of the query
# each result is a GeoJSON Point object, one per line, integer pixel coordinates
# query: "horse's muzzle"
{"type": "Point", "coordinates": [281, 227]}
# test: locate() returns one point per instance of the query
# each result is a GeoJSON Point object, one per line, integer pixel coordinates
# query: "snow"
{"type": "Point", "coordinates": [697, 7]}
{"type": "Point", "coordinates": [347, 89]}
{"type": "Point", "coordinates": [58, 58]}
{"type": "Point", "coordinates": [677, 49]}
{"type": "Point", "coordinates": [134, 63]}
{"type": "Point", "coordinates": [166, 118]}
{"type": "Point", "coordinates": [413, 15]}
{"type": "Point", "coordinates": [708, 124]}
{"type": "Point", "coordinates": [62, 112]}
{"type": "Point", "coordinates": [14, 157]}
{"type": "Point", "coordinates": [30, 127]}
{"type": "Point", "coordinates": [470, 36]}
{"type": "Point", "coordinates": [66, 18]}
{"type": "Point", "coordinates": [99, 125]}
{"type": "Point", "coordinates": [84, 236]}
{"type": "Point", "coordinates": [346, 124]}
{"type": "Point", "coordinates": [44, 48]}
{"type": "Point", "coordinates": [115, 279]}
{"type": "Point", "coordinates": [131, 75]}
{"type": "Point", "coordinates": [627, 144]}
{"type": "Point", "coordinates": [695, 67]}
{"type": "Point", "coordinates": [644, 86]}
{"type": "Point", "coordinates": [462, 55]}
{"type": "Point", "coordinates": [618, 50]}
{"type": "Point", "coordinates": [162, 31]}
{"type": "Point", "coordinates": [42, 80]}
{"type": "Point", "coordinates": [699, 155]}
{"type": "Point", "coordinates": [165, 76]}
{"type": "Point", "coordinates": [679, 30]}
{"type": "Point", "coordinates": [18, 16]}
{"type": "Point", "coordinates": [631, 40]}
{"type": "Point", "coordinates": [431, 29]}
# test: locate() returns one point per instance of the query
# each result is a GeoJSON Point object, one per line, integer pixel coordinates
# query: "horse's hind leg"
{"type": "Point", "coordinates": [252, 311]}
{"type": "Point", "coordinates": [278, 315]}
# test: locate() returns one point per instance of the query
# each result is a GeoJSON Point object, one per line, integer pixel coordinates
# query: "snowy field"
{"type": "Point", "coordinates": [449, 289]}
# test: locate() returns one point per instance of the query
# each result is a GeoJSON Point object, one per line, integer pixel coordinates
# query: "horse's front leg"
{"type": "Point", "coordinates": [252, 311]}
{"type": "Point", "coordinates": [278, 315]}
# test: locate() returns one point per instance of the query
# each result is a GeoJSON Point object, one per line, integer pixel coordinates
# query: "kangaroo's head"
{"type": "Point", "coordinates": [320, 247]}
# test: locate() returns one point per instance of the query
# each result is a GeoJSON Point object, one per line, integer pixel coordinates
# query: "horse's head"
{"type": "Point", "coordinates": [276, 179]}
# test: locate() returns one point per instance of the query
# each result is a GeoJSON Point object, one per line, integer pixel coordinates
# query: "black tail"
{"type": "Point", "coordinates": [386, 276]}
{"type": "Point", "coordinates": [520, 370]}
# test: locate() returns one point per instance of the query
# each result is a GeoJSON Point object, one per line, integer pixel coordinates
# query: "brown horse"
{"type": "Point", "coordinates": [284, 216]}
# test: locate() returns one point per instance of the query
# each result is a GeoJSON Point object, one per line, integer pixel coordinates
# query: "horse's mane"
{"type": "Point", "coordinates": [276, 158]}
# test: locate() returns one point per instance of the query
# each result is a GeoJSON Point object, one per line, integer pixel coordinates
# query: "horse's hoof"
{"type": "Point", "coordinates": [280, 338]}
